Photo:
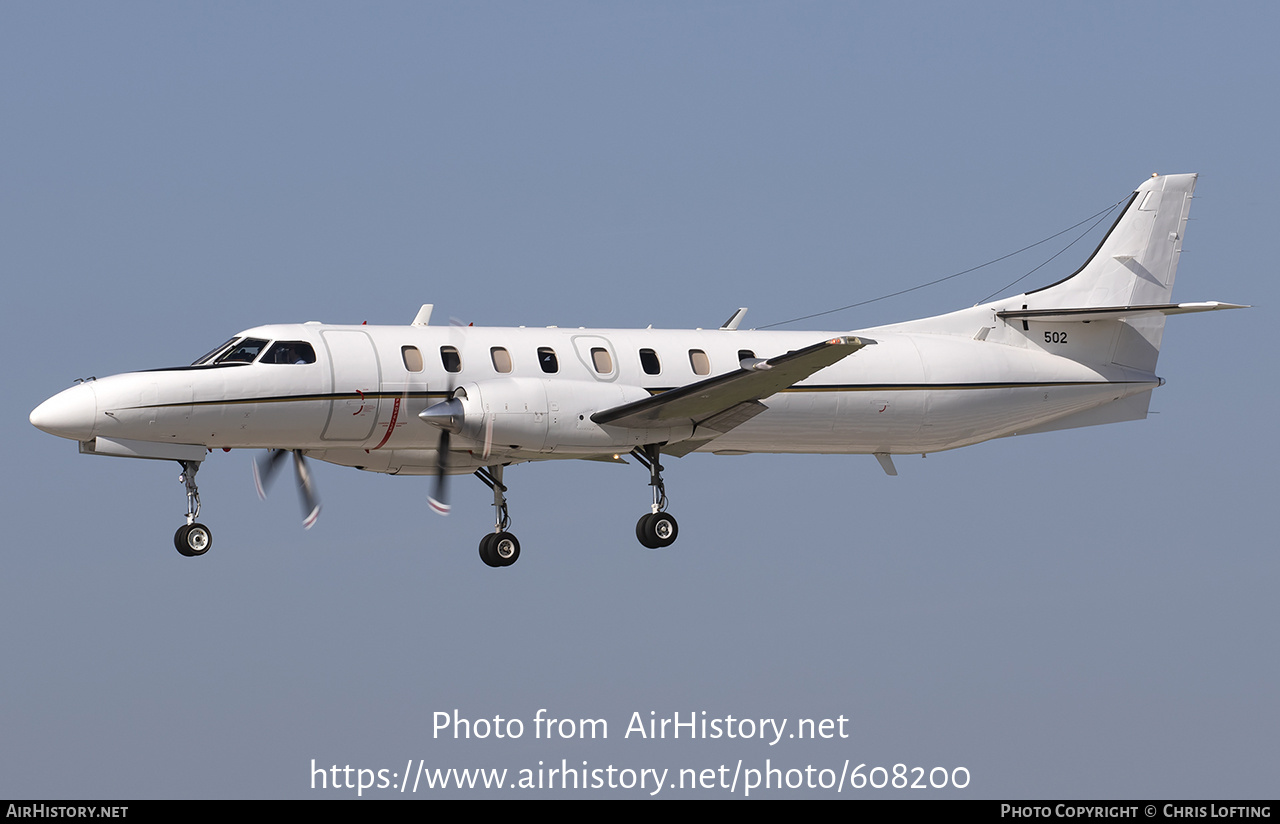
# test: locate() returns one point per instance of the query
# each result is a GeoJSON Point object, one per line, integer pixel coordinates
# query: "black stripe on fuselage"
{"type": "Point", "coordinates": [331, 396]}
{"type": "Point", "coordinates": [195, 366]}
{"type": "Point", "coordinates": [917, 387]}
{"type": "Point", "coordinates": [870, 387]}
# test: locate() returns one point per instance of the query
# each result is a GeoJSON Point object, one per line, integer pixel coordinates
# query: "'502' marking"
{"type": "Point", "coordinates": [1055, 337]}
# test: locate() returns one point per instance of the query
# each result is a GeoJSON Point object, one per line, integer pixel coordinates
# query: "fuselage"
{"type": "Point", "coordinates": [351, 394]}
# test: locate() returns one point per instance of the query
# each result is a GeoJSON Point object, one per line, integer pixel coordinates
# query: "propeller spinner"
{"type": "Point", "coordinates": [446, 416]}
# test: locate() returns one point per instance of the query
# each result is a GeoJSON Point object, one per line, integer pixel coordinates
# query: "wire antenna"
{"type": "Point", "coordinates": [1097, 217]}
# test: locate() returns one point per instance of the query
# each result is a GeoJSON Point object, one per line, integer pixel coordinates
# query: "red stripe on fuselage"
{"type": "Point", "coordinates": [395, 413]}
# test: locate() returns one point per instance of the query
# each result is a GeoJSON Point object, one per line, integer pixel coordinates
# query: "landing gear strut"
{"type": "Point", "coordinates": [658, 528]}
{"type": "Point", "coordinates": [498, 548]}
{"type": "Point", "coordinates": [192, 539]}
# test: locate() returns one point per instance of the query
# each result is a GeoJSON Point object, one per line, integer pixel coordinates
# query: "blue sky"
{"type": "Point", "coordinates": [1087, 613]}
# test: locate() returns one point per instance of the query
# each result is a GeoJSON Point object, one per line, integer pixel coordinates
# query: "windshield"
{"type": "Point", "coordinates": [208, 357]}
{"type": "Point", "coordinates": [236, 350]}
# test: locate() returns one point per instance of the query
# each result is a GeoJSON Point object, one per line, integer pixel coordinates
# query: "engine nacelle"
{"type": "Point", "coordinates": [540, 415]}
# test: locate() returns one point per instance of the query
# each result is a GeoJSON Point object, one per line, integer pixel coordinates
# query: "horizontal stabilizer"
{"type": "Point", "coordinates": [756, 380]}
{"type": "Point", "coordinates": [1088, 313]}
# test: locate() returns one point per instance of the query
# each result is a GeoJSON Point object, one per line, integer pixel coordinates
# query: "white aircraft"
{"type": "Point", "coordinates": [424, 400]}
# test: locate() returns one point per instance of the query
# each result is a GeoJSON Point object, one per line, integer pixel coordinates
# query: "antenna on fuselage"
{"type": "Point", "coordinates": [734, 320]}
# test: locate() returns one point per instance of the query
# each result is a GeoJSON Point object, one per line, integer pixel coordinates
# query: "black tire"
{"type": "Point", "coordinates": [486, 550]}
{"type": "Point", "coordinates": [180, 540]}
{"type": "Point", "coordinates": [193, 540]}
{"type": "Point", "coordinates": [643, 533]}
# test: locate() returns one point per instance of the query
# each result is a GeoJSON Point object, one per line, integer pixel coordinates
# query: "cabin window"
{"type": "Point", "coordinates": [290, 351]}
{"type": "Point", "coordinates": [450, 359]}
{"type": "Point", "coordinates": [649, 362]}
{"type": "Point", "coordinates": [698, 360]}
{"type": "Point", "coordinates": [601, 360]}
{"type": "Point", "coordinates": [412, 358]}
{"type": "Point", "coordinates": [547, 360]}
{"type": "Point", "coordinates": [501, 359]}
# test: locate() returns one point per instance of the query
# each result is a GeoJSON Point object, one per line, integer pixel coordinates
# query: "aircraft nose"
{"type": "Point", "coordinates": [68, 414]}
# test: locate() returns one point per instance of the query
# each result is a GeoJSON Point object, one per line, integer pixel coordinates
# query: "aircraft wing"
{"type": "Point", "coordinates": [725, 401]}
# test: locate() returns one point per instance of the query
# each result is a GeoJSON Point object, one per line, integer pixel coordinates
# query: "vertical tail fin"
{"type": "Point", "coordinates": [1134, 265]}
{"type": "Point", "coordinates": [1136, 262]}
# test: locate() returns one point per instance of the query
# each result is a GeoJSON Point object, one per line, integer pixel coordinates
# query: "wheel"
{"type": "Point", "coordinates": [642, 531]}
{"type": "Point", "coordinates": [193, 540]}
{"type": "Point", "coordinates": [486, 550]}
{"type": "Point", "coordinates": [662, 529]}
{"type": "Point", "coordinates": [505, 548]}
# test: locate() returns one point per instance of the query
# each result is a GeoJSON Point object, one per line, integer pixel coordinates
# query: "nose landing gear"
{"type": "Point", "coordinates": [192, 539]}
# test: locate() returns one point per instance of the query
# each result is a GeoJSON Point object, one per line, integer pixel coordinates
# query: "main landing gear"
{"type": "Point", "coordinates": [498, 548]}
{"type": "Point", "coordinates": [658, 528]}
{"type": "Point", "coordinates": [655, 530]}
{"type": "Point", "coordinates": [192, 539]}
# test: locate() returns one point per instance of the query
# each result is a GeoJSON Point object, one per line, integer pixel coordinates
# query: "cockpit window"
{"type": "Point", "coordinates": [208, 357]}
{"type": "Point", "coordinates": [236, 350]}
{"type": "Point", "coordinates": [243, 352]}
{"type": "Point", "coordinates": [290, 351]}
